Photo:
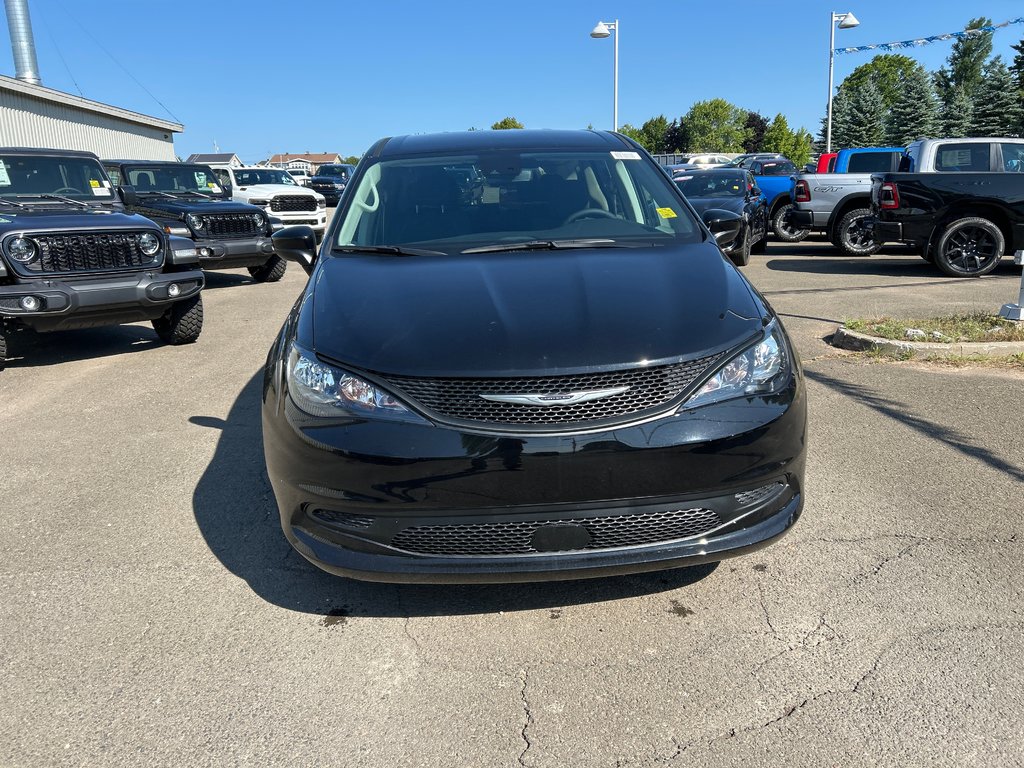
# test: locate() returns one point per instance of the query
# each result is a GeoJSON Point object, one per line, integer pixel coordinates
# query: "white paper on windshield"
{"type": "Point", "coordinates": [101, 191]}
{"type": "Point", "coordinates": [5, 180]}
{"type": "Point", "coordinates": [626, 155]}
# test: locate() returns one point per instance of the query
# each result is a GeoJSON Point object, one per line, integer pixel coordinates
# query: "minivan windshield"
{"type": "Point", "coordinates": [173, 178]}
{"type": "Point", "coordinates": [456, 203]}
{"type": "Point", "coordinates": [79, 178]}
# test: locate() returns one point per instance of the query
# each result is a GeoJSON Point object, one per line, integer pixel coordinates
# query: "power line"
{"type": "Point", "coordinates": [114, 59]}
{"type": "Point", "coordinates": [62, 61]}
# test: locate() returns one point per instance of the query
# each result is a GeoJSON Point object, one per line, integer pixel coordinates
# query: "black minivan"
{"type": "Point", "coordinates": [521, 355]}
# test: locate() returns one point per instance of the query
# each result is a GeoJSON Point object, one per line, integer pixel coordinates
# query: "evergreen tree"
{"type": "Point", "coordinates": [915, 113]}
{"type": "Point", "coordinates": [956, 114]}
{"type": "Point", "coordinates": [840, 120]}
{"type": "Point", "coordinates": [997, 111]}
{"type": "Point", "coordinates": [756, 125]}
{"type": "Point", "coordinates": [866, 119]}
{"type": "Point", "coordinates": [1017, 67]}
{"type": "Point", "coordinates": [966, 62]}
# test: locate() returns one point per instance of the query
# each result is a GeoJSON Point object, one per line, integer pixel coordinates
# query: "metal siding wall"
{"type": "Point", "coordinates": [28, 122]}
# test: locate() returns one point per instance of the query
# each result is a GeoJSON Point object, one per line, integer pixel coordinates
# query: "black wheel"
{"type": "Point", "coordinates": [741, 255]}
{"type": "Point", "coordinates": [852, 238]}
{"type": "Point", "coordinates": [786, 232]}
{"type": "Point", "coordinates": [182, 323]}
{"type": "Point", "coordinates": [270, 272]}
{"type": "Point", "coordinates": [969, 247]}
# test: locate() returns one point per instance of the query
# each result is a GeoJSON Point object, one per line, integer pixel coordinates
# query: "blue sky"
{"type": "Point", "coordinates": [313, 75]}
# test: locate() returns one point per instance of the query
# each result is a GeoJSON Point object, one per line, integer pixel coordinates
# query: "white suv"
{"type": "Point", "coordinates": [275, 191]}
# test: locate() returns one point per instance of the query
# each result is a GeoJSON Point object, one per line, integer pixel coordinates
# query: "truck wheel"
{"type": "Point", "coordinates": [270, 272]}
{"type": "Point", "coordinates": [787, 233]}
{"type": "Point", "coordinates": [851, 236]}
{"type": "Point", "coordinates": [182, 323]}
{"type": "Point", "coordinates": [969, 247]}
{"type": "Point", "coordinates": [741, 256]}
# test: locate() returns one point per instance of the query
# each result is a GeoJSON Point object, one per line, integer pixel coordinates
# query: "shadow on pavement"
{"type": "Point", "coordinates": [215, 280]}
{"type": "Point", "coordinates": [901, 412]}
{"type": "Point", "coordinates": [28, 349]}
{"type": "Point", "coordinates": [883, 266]}
{"type": "Point", "coordinates": [235, 510]}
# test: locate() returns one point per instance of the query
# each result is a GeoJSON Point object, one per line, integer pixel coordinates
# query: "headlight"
{"type": "Point", "coordinates": [194, 221]}
{"type": "Point", "coordinates": [149, 243]}
{"type": "Point", "coordinates": [323, 390]}
{"type": "Point", "coordinates": [22, 249]}
{"type": "Point", "coordinates": [260, 203]}
{"type": "Point", "coordinates": [257, 219]}
{"type": "Point", "coordinates": [758, 370]}
{"type": "Point", "coordinates": [321, 203]}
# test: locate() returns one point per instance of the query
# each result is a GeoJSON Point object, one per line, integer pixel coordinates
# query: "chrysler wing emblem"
{"type": "Point", "coordinates": [563, 398]}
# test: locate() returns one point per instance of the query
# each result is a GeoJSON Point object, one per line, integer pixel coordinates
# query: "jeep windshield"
{"type": "Point", "coordinates": [478, 203]}
{"type": "Point", "coordinates": [251, 177]}
{"type": "Point", "coordinates": [46, 179]}
{"type": "Point", "coordinates": [174, 179]}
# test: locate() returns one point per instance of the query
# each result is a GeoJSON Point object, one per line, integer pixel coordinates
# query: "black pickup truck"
{"type": "Point", "coordinates": [71, 257]}
{"type": "Point", "coordinates": [962, 222]}
{"type": "Point", "coordinates": [188, 200]}
{"type": "Point", "coordinates": [331, 179]}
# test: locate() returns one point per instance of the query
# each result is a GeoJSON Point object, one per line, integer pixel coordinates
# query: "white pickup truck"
{"type": "Point", "coordinates": [275, 191]}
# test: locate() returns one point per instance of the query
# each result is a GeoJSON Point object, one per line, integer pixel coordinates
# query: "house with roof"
{"type": "Point", "coordinates": [305, 161]}
{"type": "Point", "coordinates": [216, 158]}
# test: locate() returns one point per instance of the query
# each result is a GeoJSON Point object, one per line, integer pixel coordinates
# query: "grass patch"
{"type": "Point", "coordinates": [977, 326]}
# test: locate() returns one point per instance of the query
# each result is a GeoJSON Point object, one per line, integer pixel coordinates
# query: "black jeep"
{"type": "Point", "coordinates": [188, 200]}
{"type": "Point", "coordinates": [71, 257]}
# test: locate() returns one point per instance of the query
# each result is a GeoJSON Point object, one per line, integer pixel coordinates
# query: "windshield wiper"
{"type": "Point", "coordinates": [61, 198]}
{"type": "Point", "coordinates": [15, 203]}
{"type": "Point", "coordinates": [544, 245]}
{"type": "Point", "coordinates": [394, 250]}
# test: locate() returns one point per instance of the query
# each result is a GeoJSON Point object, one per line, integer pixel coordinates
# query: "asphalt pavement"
{"type": "Point", "coordinates": [153, 613]}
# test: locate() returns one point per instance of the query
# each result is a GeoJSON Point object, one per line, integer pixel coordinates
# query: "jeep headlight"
{"type": "Point", "coordinates": [320, 389]}
{"type": "Point", "coordinates": [149, 243]}
{"type": "Point", "coordinates": [22, 250]}
{"type": "Point", "coordinates": [760, 369]}
{"type": "Point", "coordinates": [195, 222]}
{"type": "Point", "coordinates": [257, 219]}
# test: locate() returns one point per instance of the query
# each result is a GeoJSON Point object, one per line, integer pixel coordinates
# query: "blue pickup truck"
{"type": "Point", "coordinates": [776, 179]}
{"type": "Point", "coordinates": [868, 160]}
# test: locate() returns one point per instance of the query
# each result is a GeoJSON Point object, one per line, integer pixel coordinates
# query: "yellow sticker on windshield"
{"type": "Point", "coordinates": [93, 183]}
{"type": "Point", "coordinates": [667, 213]}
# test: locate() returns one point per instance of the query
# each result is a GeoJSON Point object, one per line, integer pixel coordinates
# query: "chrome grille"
{"type": "Point", "coordinates": [293, 203]}
{"type": "Point", "coordinates": [90, 252]}
{"type": "Point", "coordinates": [649, 388]}
{"type": "Point", "coordinates": [232, 225]}
{"type": "Point", "coordinates": [515, 537]}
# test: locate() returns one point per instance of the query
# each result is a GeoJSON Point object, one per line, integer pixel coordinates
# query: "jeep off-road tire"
{"type": "Point", "coordinates": [784, 231]}
{"type": "Point", "coordinates": [851, 237]}
{"type": "Point", "coordinates": [969, 247]}
{"type": "Point", "coordinates": [270, 272]}
{"type": "Point", "coordinates": [182, 323]}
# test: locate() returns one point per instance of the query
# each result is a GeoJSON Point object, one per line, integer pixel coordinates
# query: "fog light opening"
{"type": "Point", "coordinates": [205, 252]}
{"type": "Point", "coordinates": [30, 303]}
{"type": "Point", "coordinates": [173, 290]}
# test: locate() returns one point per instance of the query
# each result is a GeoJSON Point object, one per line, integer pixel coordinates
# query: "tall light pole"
{"type": "Point", "coordinates": [846, 21]}
{"type": "Point", "coordinates": [604, 29]}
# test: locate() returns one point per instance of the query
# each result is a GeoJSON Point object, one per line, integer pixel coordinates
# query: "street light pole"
{"type": "Point", "coordinates": [602, 30]}
{"type": "Point", "coordinates": [846, 21]}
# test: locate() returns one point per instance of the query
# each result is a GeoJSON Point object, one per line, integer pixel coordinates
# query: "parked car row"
{"type": "Point", "coordinates": [85, 243]}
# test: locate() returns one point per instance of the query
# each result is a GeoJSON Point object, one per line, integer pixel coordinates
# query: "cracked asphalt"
{"type": "Point", "coordinates": [153, 613]}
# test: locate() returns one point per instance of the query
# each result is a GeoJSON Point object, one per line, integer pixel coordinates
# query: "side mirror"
{"type": "Point", "coordinates": [297, 244]}
{"type": "Point", "coordinates": [724, 225]}
{"type": "Point", "coordinates": [128, 196]}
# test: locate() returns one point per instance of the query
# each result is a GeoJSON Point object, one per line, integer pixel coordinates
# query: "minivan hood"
{"type": "Point", "coordinates": [528, 313]}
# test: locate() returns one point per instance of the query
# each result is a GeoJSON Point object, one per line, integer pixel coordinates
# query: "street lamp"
{"type": "Point", "coordinates": [846, 21]}
{"type": "Point", "coordinates": [602, 30]}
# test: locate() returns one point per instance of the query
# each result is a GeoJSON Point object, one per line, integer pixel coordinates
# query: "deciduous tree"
{"type": "Point", "coordinates": [756, 125]}
{"type": "Point", "coordinates": [506, 123]}
{"type": "Point", "coordinates": [715, 126]}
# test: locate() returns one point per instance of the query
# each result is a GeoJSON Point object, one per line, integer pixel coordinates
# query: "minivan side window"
{"type": "Point", "coordinates": [963, 157]}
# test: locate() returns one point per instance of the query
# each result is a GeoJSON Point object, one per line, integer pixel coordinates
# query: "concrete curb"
{"type": "Point", "coordinates": [844, 338]}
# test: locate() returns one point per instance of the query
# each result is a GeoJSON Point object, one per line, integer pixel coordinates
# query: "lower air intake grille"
{"type": "Point", "coordinates": [645, 389]}
{"type": "Point", "coordinates": [516, 537]}
{"type": "Point", "coordinates": [758, 494]}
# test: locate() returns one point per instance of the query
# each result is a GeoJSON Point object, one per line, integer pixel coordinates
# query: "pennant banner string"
{"type": "Point", "coordinates": [928, 40]}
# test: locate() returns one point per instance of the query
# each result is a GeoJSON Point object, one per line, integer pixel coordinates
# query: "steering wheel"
{"type": "Point", "coordinates": [67, 189]}
{"type": "Point", "coordinates": [586, 213]}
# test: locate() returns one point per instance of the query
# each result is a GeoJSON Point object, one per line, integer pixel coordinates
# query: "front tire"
{"type": "Point", "coordinates": [182, 323]}
{"type": "Point", "coordinates": [784, 231]}
{"type": "Point", "coordinates": [270, 272]}
{"type": "Point", "coordinates": [851, 236]}
{"type": "Point", "coordinates": [969, 247]}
